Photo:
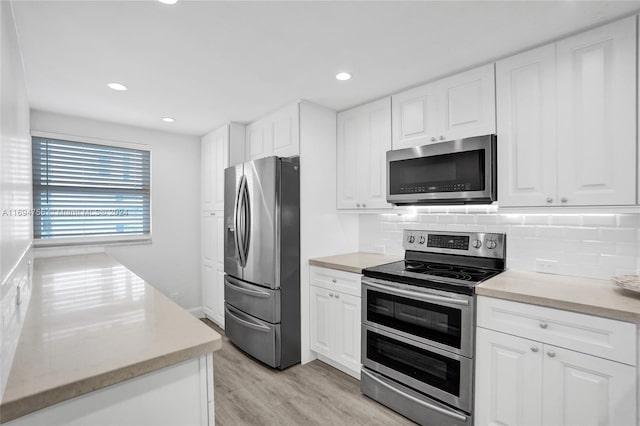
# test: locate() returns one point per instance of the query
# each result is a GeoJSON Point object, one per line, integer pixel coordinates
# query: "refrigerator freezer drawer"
{"type": "Point", "coordinates": [259, 339]}
{"type": "Point", "coordinates": [256, 301]}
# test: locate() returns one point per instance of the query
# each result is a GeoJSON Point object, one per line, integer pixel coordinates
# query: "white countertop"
{"type": "Point", "coordinates": [92, 323]}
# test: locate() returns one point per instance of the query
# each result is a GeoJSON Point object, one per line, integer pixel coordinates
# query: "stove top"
{"type": "Point", "coordinates": [452, 261]}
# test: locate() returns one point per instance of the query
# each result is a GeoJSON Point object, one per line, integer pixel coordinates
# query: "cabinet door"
{"type": "Point", "coordinates": [285, 131]}
{"type": "Point", "coordinates": [352, 127]}
{"type": "Point", "coordinates": [214, 159]}
{"type": "Point", "coordinates": [210, 237]}
{"type": "Point", "coordinates": [209, 290]}
{"type": "Point", "coordinates": [347, 329]}
{"type": "Point", "coordinates": [508, 389]}
{"type": "Point", "coordinates": [414, 117]}
{"type": "Point", "coordinates": [218, 303]}
{"type": "Point", "coordinates": [259, 142]}
{"type": "Point", "coordinates": [526, 98]}
{"type": "Point", "coordinates": [207, 172]}
{"type": "Point", "coordinates": [466, 104]}
{"type": "Point", "coordinates": [585, 390]}
{"type": "Point", "coordinates": [321, 320]}
{"type": "Point", "coordinates": [364, 137]}
{"type": "Point", "coordinates": [597, 116]}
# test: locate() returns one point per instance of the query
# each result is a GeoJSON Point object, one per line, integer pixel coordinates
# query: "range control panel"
{"type": "Point", "coordinates": [480, 244]}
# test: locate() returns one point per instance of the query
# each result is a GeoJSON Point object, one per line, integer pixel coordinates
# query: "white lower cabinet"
{"type": "Point", "coordinates": [335, 324]}
{"type": "Point", "coordinates": [213, 266]}
{"type": "Point", "coordinates": [521, 381]}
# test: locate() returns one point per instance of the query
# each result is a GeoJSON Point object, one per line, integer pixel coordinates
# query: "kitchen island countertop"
{"type": "Point", "coordinates": [584, 295]}
{"type": "Point", "coordinates": [92, 323]}
{"type": "Point", "coordinates": [353, 262]}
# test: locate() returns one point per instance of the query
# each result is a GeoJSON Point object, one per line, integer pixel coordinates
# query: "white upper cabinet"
{"type": "Point", "coordinates": [455, 107]}
{"type": "Point", "coordinates": [466, 104]}
{"type": "Point", "coordinates": [597, 116]}
{"type": "Point", "coordinates": [567, 119]}
{"type": "Point", "coordinates": [214, 159]}
{"type": "Point", "coordinates": [364, 137]}
{"type": "Point", "coordinates": [218, 148]}
{"type": "Point", "coordinates": [414, 117]}
{"type": "Point", "coordinates": [276, 134]}
{"type": "Point", "coordinates": [526, 111]}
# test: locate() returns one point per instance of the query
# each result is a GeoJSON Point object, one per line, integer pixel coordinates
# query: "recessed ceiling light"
{"type": "Point", "coordinates": [168, 1]}
{"type": "Point", "coordinates": [343, 76]}
{"type": "Point", "coordinates": [117, 86]}
{"type": "Point", "coordinates": [168, 119]}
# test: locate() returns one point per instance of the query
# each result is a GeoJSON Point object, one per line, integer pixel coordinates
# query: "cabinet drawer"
{"type": "Point", "coordinates": [332, 279]}
{"type": "Point", "coordinates": [602, 337]}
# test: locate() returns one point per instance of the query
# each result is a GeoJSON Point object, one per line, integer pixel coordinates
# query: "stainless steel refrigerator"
{"type": "Point", "coordinates": [262, 259]}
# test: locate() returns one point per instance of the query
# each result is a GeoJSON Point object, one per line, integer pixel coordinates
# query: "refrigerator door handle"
{"type": "Point", "coordinates": [239, 222]}
{"type": "Point", "coordinates": [246, 232]}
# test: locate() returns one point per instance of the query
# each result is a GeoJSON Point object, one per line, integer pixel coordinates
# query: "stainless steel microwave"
{"type": "Point", "coordinates": [461, 171]}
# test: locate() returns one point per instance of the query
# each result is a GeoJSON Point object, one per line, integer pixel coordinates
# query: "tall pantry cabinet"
{"type": "Point", "coordinates": [566, 118]}
{"type": "Point", "coordinates": [219, 149]}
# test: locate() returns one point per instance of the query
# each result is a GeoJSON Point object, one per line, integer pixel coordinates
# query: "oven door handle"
{"type": "Point", "coordinates": [414, 399]}
{"type": "Point", "coordinates": [416, 295]}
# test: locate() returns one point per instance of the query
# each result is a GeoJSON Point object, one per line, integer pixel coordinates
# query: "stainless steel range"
{"type": "Point", "coordinates": [418, 318]}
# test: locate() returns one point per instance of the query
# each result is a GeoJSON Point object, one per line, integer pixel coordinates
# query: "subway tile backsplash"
{"type": "Point", "coordinates": [587, 245]}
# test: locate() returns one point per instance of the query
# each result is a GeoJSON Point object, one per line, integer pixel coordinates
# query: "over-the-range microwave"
{"type": "Point", "coordinates": [461, 171]}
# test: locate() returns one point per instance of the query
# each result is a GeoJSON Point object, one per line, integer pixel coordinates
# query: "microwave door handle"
{"type": "Point", "coordinates": [416, 295]}
{"type": "Point", "coordinates": [412, 398]}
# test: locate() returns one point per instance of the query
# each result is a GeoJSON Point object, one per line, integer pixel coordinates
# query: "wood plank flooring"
{"type": "Point", "coordinates": [249, 393]}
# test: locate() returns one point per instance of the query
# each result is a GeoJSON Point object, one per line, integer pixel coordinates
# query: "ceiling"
{"type": "Point", "coordinates": [205, 63]}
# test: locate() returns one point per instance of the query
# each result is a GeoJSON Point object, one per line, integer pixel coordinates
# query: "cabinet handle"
{"type": "Point", "coordinates": [564, 199]}
{"type": "Point", "coordinates": [333, 280]}
{"type": "Point", "coordinates": [534, 349]}
{"type": "Point", "coordinates": [543, 325]}
{"type": "Point", "coordinates": [549, 200]}
{"type": "Point", "coordinates": [433, 139]}
{"type": "Point", "coordinates": [330, 294]}
{"type": "Point", "coordinates": [364, 205]}
{"type": "Point", "coordinates": [551, 354]}
{"type": "Point", "coordinates": [212, 213]}
{"type": "Point", "coordinates": [441, 137]}
{"type": "Point", "coordinates": [337, 296]}
{"type": "Point", "coordinates": [358, 205]}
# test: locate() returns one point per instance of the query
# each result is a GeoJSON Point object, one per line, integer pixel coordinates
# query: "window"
{"type": "Point", "coordinates": [88, 190]}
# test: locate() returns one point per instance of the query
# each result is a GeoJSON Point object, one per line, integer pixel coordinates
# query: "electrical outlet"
{"type": "Point", "coordinates": [546, 266]}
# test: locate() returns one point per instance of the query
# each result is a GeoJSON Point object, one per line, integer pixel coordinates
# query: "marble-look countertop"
{"type": "Point", "coordinates": [353, 262]}
{"type": "Point", "coordinates": [584, 295]}
{"type": "Point", "coordinates": [92, 323]}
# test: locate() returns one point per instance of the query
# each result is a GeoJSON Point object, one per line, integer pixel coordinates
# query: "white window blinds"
{"type": "Point", "coordinates": [89, 190]}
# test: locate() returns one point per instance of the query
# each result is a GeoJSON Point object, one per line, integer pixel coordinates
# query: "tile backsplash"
{"type": "Point", "coordinates": [596, 245]}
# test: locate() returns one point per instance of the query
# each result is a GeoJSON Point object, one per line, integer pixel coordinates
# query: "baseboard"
{"type": "Point", "coordinates": [196, 312]}
{"type": "Point", "coordinates": [337, 365]}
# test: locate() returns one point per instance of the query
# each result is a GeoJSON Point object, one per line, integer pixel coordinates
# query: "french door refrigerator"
{"type": "Point", "coordinates": [262, 259]}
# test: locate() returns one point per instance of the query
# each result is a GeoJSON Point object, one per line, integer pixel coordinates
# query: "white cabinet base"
{"type": "Point", "coordinates": [180, 394]}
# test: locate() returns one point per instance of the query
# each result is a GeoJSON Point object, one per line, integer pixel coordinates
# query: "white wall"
{"type": "Point", "coordinates": [171, 263]}
{"type": "Point", "coordinates": [323, 232]}
{"type": "Point", "coordinates": [587, 243]}
{"type": "Point", "coordinates": [15, 150]}
{"type": "Point", "coordinates": [15, 192]}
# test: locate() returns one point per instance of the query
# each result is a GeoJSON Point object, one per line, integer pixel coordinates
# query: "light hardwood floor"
{"type": "Point", "coordinates": [249, 393]}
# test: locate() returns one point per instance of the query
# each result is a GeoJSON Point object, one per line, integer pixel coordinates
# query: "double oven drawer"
{"type": "Point", "coordinates": [421, 338]}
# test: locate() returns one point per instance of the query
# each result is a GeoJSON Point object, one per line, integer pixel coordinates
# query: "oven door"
{"type": "Point", "coordinates": [458, 171]}
{"type": "Point", "coordinates": [440, 374]}
{"type": "Point", "coordinates": [433, 317]}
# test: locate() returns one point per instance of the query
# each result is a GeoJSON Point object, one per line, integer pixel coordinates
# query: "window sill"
{"type": "Point", "coordinates": [92, 242]}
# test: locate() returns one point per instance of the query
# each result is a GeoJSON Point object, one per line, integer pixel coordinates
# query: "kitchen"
{"type": "Point", "coordinates": [553, 81]}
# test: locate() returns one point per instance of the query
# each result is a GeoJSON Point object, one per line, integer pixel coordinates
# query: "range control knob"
{"type": "Point", "coordinates": [421, 240]}
{"type": "Point", "coordinates": [411, 239]}
{"type": "Point", "coordinates": [477, 244]}
{"type": "Point", "coordinates": [491, 244]}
